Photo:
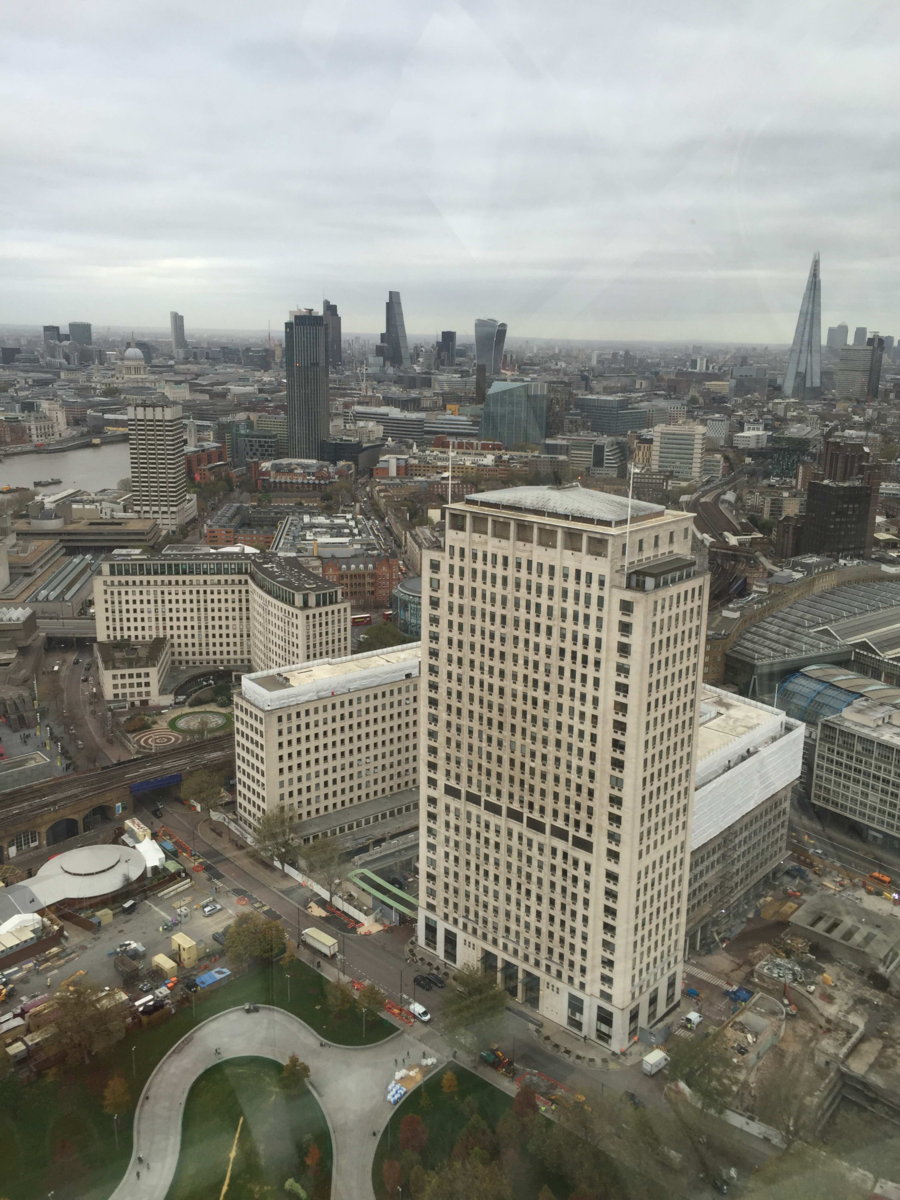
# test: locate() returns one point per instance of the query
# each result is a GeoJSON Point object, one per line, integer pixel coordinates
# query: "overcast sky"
{"type": "Point", "coordinates": [578, 168]}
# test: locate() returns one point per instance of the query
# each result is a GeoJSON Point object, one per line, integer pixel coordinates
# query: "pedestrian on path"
{"type": "Point", "coordinates": [138, 1174]}
{"type": "Point", "coordinates": [140, 1158]}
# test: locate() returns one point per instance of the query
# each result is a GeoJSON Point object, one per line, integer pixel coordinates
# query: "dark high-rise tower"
{"type": "Point", "coordinates": [447, 349]}
{"type": "Point", "coordinates": [803, 377]}
{"type": "Point", "coordinates": [860, 335]}
{"type": "Point", "coordinates": [176, 327]}
{"type": "Point", "coordinates": [80, 333]}
{"type": "Point", "coordinates": [490, 338]}
{"type": "Point", "coordinates": [333, 333]}
{"type": "Point", "coordinates": [306, 370]}
{"type": "Point", "coordinates": [394, 348]}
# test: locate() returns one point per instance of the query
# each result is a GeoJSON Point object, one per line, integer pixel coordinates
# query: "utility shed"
{"type": "Point", "coordinates": [184, 948]}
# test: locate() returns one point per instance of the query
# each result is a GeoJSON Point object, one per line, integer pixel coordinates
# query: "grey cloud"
{"type": "Point", "coordinates": [597, 167]}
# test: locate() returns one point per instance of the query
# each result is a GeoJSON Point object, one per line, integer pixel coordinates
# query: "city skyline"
{"type": "Point", "coordinates": [597, 188]}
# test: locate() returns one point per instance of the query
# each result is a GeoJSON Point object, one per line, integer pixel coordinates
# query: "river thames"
{"type": "Point", "coordinates": [92, 468]}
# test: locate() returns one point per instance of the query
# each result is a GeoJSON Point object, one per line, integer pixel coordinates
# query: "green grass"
{"type": "Point", "coordinates": [445, 1117]}
{"type": "Point", "coordinates": [533, 1155]}
{"type": "Point", "coordinates": [63, 1141]}
{"type": "Point", "coordinates": [277, 1134]}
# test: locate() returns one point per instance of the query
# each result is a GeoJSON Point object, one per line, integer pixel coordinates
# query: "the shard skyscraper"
{"type": "Point", "coordinates": [803, 377]}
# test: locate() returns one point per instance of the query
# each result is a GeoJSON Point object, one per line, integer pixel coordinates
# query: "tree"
{"type": "Point", "coordinates": [703, 1065]}
{"type": "Point", "coordinates": [340, 998]}
{"type": "Point", "coordinates": [201, 787]}
{"type": "Point", "coordinates": [413, 1133]}
{"type": "Point", "coordinates": [472, 1005]}
{"type": "Point", "coordinates": [449, 1083]}
{"type": "Point", "coordinates": [87, 1020]}
{"type": "Point", "coordinates": [525, 1103]}
{"type": "Point", "coordinates": [253, 936]}
{"type": "Point", "coordinates": [392, 1174]}
{"type": "Point", "coordinates": [463, 1180]}
{"type": "Point", "coordinates": [294, 1074]}
{"type": "Point", "coordinates": [274, 837]}
{"type": "Point", "coordinates": [322, 858]}
{"type": "Point", "coordinates": [371, 1001]}
{"type": "Point", "coordinates": [116, 1096]}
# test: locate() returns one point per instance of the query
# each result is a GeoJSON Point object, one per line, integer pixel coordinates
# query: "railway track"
{"type": "Point", "coordinates": [47, 796]}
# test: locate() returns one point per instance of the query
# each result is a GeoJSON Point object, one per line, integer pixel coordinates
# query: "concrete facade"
{"type": "Point", "coordinates": [562, 641]}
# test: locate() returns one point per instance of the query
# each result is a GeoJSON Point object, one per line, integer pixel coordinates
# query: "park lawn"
{"type": "Point", "coordinates": [278, 1133]}
{"type": "Point", "coordinates": [445, 1117]}
{"type": "Point", "coordinates": [62, 1140]}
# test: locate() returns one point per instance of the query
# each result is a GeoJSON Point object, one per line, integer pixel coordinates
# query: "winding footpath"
{"type": "Point", "coordinates": [348, 1082]}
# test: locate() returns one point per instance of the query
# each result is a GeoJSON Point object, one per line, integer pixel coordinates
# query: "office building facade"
{"type": "Point", "coordinates": [562, 633]}
{"type": "Point", "coordinates": [306, 372]}
{"type": "Point", "coordinates": [803, 377]}
{"type": "Point", "coordinates": [515, 414]}
{"type": "Point", "coordinates": [858, 374]}
{"type": "Point", "coordinates": [333, 335]}
{"type": "Point", "coordinates": [394, 348]}
{"type": "Point", "coordinates": [837, 337]}
{"type": "Point", "coordinates": [856, 774]}
{"type": "Point", "coordinates": [679, 449]}
{"type": "Point", "coordinates": [317, 738]}
{"type": "Point", "coordinates": [490, 339]}
{"type": "Point", "coordinates": [447, 348]}
{"type": "Point", "coordinates": [221, 608]}
{"type": "Point", "coordinates": [156, 456]}
{"type": "Point", "coordinates": [80, 333]}
{"type": "Point", "coordinates": [176, 332]}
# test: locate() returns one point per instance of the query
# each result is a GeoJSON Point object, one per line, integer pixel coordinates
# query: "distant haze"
{"type": "Point", "coordinates": [650, 171]}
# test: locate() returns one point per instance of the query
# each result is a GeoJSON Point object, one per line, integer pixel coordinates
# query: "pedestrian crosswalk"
{"type": "Point", "coordinates": [699, 973]}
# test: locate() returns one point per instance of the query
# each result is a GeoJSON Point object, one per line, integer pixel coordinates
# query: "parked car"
{"type": "Point", "coordinates": [190, 984]}
{"type": "Point", "coordinates": [211, 907]}
{"type": "Point", "coordinates": [423, 982]}
{"type": "Point", "coordinates": [437, 980]}
{"type": "Point", "coordinates": [219, 936]}
{"type": "Point", "coordinates": [419, 1011]}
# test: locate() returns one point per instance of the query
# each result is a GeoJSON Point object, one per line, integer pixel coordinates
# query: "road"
{"type": "Point", "coordinates": [384, 959]}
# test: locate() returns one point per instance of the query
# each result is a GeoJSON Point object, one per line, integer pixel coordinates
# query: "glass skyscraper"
{"type": "Point", "coordinates": [515, 414]}
{"type": "Point", "coordinates": [306, 371]}
{"type": "Point", "coordinates": [490, 338]}
{"type": "Point", "coordinates": [804, 370]}
{"type": "Point", "coordinates": [394, 348]}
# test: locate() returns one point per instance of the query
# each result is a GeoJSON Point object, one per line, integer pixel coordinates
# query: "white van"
{"type": "Point", "coordinates": [419, 1011]}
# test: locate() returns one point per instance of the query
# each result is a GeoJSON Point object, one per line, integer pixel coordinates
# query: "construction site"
{"type": "Point", "coordinates": [816, 1052]}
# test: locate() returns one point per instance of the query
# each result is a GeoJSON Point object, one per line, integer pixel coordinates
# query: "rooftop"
{"type": "Point", "coordinates": [855, 612]}
{"type": "Point", "coordinates": [117, 657]}
{"type": "Point", "coordinates": [330, 677]}
{"type": "Point", "coordinates": [570, 502]}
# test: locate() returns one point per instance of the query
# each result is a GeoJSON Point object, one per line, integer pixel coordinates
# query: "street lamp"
{"type": "Point", "coordinates": [133, 1064]}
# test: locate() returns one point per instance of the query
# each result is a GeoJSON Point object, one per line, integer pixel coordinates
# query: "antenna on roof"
{"type": "Point", "coordinates": [628, 520]}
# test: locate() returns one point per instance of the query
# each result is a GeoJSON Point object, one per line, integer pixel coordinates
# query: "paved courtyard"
{"type": "Point", "coordinates": [348, 1082]}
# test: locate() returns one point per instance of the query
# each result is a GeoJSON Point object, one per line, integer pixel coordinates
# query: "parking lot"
{"type": "Point", "coordinates": [94, 953]}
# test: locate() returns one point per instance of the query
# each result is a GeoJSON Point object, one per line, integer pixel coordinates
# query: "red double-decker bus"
{"type": "Point", "coordinates": [361, 619]}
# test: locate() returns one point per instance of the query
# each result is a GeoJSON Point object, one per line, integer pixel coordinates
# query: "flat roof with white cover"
{"type": "Point", "coordinates": [571, 502]}
{"type": "Point", "coordinates": [746, 752]}
{"type": "Point", "coordinates": [330, 677]}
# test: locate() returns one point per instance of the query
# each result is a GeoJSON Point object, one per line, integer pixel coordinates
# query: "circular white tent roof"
{"type": "Point", "coordinates": [90, 871]}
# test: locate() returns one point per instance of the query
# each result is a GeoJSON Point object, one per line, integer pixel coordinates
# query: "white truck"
{"type": "Point", "coordinates": [322, 943]}
{"type": "Point", "coordinates": [655, 1061]}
